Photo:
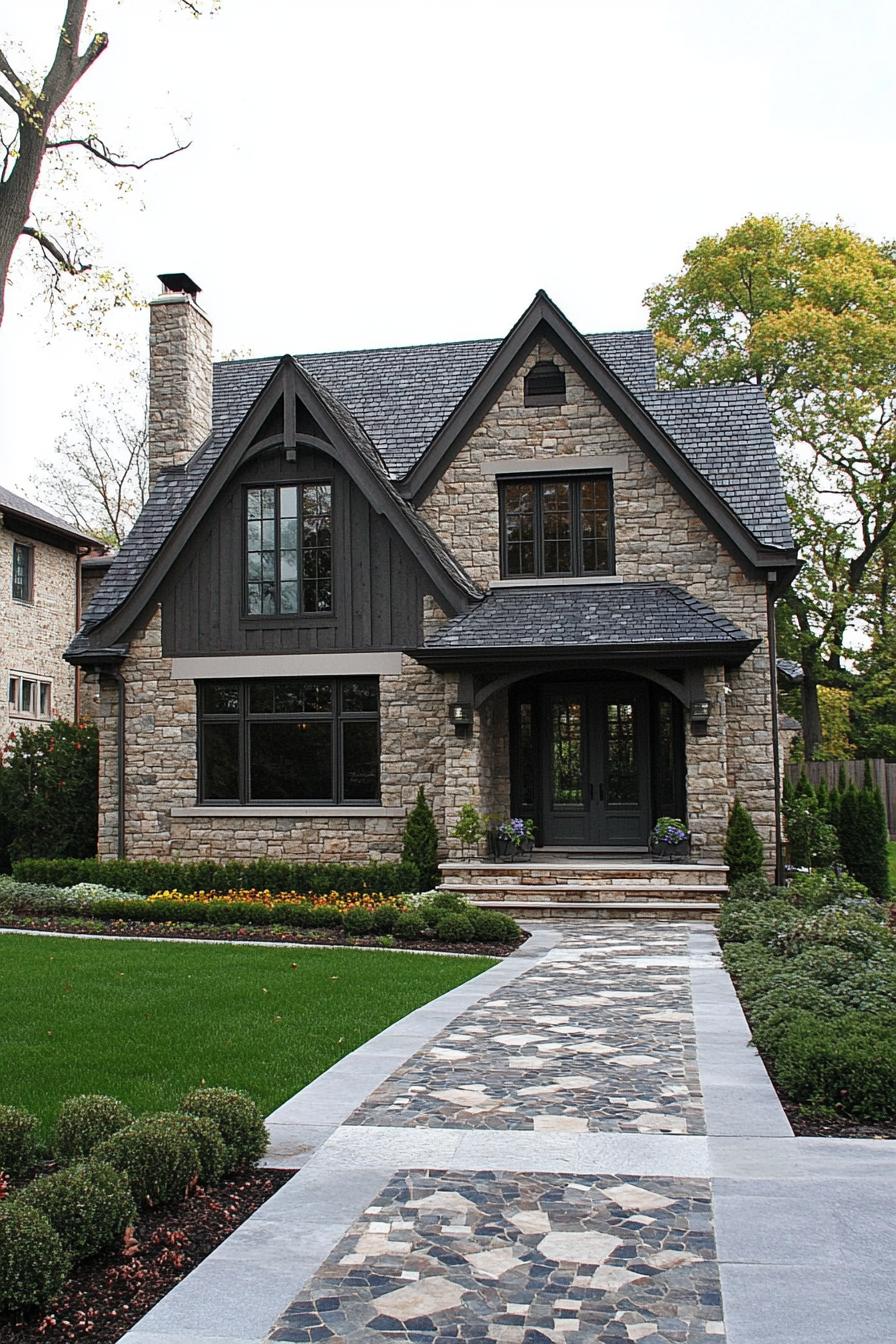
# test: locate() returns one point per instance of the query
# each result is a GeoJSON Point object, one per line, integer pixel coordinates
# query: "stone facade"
{"type": "Point", "coordinates": [180, 381]}
{"type": "Point", "coordinates": [37, 633]}
{"type": "Point", "coordinates": [657, 537]}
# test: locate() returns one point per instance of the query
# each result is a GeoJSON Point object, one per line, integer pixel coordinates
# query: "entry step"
{"type": "Point", "coordinates": [693, 910]}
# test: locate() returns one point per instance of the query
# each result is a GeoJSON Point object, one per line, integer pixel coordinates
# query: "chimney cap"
{"type": "Point", "coordinates": [176, 282]}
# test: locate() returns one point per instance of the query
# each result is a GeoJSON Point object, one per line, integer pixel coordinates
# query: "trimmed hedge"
{"type": "Point", "coordinates": [89, 1205]}
{"type": "Point", "coordinates": [19, 1140]}
{"type": "Point", "coordinates": [848, 1063]}
{"type": "Point", "coordinates": [237, 1118]}
{"type": "Point", "coordinates": [157, 1154]}
{"type": "Point", "coordinates": [149, 875]}
{"type": "Point", "coordinates": [86, 1121]}
{"type": "Point", "coordinates": [34, 1264]}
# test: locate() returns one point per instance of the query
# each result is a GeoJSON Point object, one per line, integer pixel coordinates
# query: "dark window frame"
{"type": "Point", "coordinates": [27, 550]}
{"type": "Point", "coordinates": [575, 482]}
{"type": "Point", "coordinates": [244, 717]}
{"type": "Point", "coordinates": [278, 616]}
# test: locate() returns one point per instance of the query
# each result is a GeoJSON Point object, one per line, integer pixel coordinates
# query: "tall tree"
{"type": "Point", "coordinates": [30, 130]}
{"type": "Point", "coordinates": [807, 312]}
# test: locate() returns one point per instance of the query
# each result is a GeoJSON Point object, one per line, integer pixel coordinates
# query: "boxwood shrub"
{"type": "Point", "coordinates": [210, 1146]}
{"type": "Point", "coordinates": [85, 1121]}
{"type": "Point", "coordinates": [358, 921]}
{"type": "Point", "coordinates": [19, 1140]}
{"type": "Point", "coordinates": [848, 1063]}
{"type": "Point", "coordinates": [239, 1120]}
{"type": "Point", "coordinates": [89, 1205]}
{"type": "Point", "coordinates": [158, 1156]}
{"type": "Point", "coordinates": [146, 876]}
{"type": "Point", "coordinates": [34, 1264]}
{"type": "Point", "coordinates": [453, 927]}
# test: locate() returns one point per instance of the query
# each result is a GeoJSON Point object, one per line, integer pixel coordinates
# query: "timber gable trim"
{"type": "Point", "coordinates": [544, 319]}
{"type": "Point", "coordinates": [341, 438]}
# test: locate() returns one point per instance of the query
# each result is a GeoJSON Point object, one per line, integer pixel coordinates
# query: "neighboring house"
{"type": "Point", "coordinates": [40, 581]}
{"type": "Point", "coordinates": [513, 571]}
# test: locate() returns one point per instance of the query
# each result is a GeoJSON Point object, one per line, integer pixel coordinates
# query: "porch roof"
{"type": "Point", "coordinates": [635, 619]}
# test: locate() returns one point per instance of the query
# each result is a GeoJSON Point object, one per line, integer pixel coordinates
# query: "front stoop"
{"type": "Point", "coordinates": [600, 888]}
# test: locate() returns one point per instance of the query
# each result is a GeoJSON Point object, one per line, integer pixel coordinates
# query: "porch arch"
{"type": "Point", "coordinates": [683, 691]}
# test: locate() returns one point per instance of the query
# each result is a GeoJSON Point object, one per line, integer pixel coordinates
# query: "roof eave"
{"type": "Point", "coordinates": [729, 652]}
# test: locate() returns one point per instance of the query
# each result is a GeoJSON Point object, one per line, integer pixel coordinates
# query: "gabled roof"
{"type": "Point", "coordinates": [17, 507]}
{"type": "Point", "coordinates": [181, 498]}
{"type": "Point", "coordinates": [604, 618]}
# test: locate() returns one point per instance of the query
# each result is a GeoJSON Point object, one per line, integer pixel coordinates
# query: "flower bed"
{"type": "Point", "coordinates": [815, 966]}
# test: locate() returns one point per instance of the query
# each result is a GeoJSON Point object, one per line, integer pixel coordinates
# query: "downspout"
{"type": "Point", "coordinates": [115, 674]}
{"type": "Point", "coordinates": [80, 552]}
{"type": "Point", "coordinates": [776, 741]}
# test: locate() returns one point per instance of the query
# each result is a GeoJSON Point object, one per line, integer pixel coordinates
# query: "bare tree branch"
{"type": "Point", "coordinates": [96, 146]}
{"type": "Point", "coordinates": [6, 69]}
{"type": "Point", "coordinates": [69, 264]}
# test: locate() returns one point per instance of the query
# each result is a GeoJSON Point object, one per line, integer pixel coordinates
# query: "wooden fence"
{"type": "Point", "coordinates": [884, 773]}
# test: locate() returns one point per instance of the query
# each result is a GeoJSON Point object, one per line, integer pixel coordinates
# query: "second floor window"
{"type": "Point", "coordinates": [22, 572]}
{"type": "Point", "coordinates": [553, 528]}
{"type": "Point", "coordinates": [289, 549]}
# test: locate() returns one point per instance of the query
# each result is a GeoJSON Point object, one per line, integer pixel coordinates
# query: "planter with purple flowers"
{"type": "Point", "coordinates": [670, 840]}
{"type": "Point", "coordinates": [513, 839]}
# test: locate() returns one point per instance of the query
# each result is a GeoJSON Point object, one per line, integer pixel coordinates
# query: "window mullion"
{"type": "Point", "coordinates": [539, 531]}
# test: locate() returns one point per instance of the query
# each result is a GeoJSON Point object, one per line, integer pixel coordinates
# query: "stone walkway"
{"type": "Point", "coordinates": [579, 1147]}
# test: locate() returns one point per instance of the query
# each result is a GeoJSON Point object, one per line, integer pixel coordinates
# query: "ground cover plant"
{"type": "Point", "coordinates": [146, 1022]}
{"type": "Point", "coordinates": [815, 967]}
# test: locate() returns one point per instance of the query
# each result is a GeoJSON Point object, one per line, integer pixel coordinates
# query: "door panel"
{"type": "Point", "coordinates": [624, 791]}
{"type": "Point", "coordinates": [565, 769]}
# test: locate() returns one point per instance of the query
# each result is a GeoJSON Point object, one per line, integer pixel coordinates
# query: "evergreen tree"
{"type": "Point", "coordinates": [842, 781]}
{"type": "Point", "coordinates": [421, 842]}
{"type": "Point", "coordinates": [822, 797]}
{"type": "Point", "coordinates": [835, 800]}
{"type": "Point", "coordinates": [787, 792]}
{"type": "Point", "coordinates": [804, 787]}
{"type": "Point", "coordinates": [743, 846]}
{"type": "Point", "coordinates": [867, 855]}
{"type": "Point", "coordinates": [848, 827]}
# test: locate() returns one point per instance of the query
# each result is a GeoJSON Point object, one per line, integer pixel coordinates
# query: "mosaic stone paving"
{"type": "Point", "coordinates": [520, 1260]}
{"type": "Point", "coordinates": [585, 1041]}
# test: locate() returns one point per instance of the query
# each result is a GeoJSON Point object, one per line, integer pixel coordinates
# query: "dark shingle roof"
{"type": "Point", "coordinates": [12, 503]}
{"type": "Point", "coordinates": [726, 433]}
{"type": "Point", "coordinates": [585, 616]}
{"type": "Point", "coordinates": [791, 672]}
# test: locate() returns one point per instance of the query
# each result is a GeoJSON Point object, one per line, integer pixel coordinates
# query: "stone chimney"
{"type": "Point", "coordinates": [180, 374]}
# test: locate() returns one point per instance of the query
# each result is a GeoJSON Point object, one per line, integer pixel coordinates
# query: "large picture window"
{"type": "Point", "coordinates": [289, 549]}
{"type": "Point", "coordinates": [294, 740]}
{"type": "Point", "coordinates": [553, 528]}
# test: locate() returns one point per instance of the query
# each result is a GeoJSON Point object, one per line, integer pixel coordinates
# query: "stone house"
{"type": "Point", "coordinates": [514, 571]}
{"type": "Point", "coordinates": [41, 565]}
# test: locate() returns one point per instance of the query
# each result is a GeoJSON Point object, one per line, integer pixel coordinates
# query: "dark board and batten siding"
{"type": "Point", "coordinates": [378, 587]}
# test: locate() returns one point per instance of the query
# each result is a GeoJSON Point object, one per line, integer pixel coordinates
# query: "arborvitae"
{"type": "Point", "coordinates": [848, 829]}
{"type": "Point", "coordinates": [869, 859]}
{"type": "Point", "coordinates": [821, 797]}
{"type": "Point", "coordinates": [842, 781]}
{"type": "Point", "coordinates": [787, 792]}
{"type": "Point", "coordinates": [804, 787]}
{"type": "Point", "coordinates": [868, 777]}
{"type": "Point", "coordinates": [835, 801]}
{"type": "Point", "coordinates": [421, 842]}
{"type": "Point", "coordinates": [743, 846]}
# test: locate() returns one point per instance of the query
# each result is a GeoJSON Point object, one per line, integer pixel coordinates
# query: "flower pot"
{"type": "Point", "coordinates": [675, 852]}
{"type": "Point", "coordinates": [526, 850]}
{"type": "Point", "coordinates": [502, 848]}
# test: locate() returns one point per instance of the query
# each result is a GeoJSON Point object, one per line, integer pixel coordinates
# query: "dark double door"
{"type": "Point", "coordinates": [594, 765]}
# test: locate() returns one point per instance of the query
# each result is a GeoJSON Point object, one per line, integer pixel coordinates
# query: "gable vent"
{"type": "Point", "coordinates": [544, 385]}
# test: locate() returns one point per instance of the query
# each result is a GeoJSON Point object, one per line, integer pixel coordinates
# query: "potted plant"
{"type": "Point", "coordinates": [670, 840]}
{"type": "Point", "coordinates": [469, 828]}
{"type": "Point", "coordinates": [513, 838]}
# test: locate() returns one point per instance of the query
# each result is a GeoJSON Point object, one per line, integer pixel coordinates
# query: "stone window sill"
{"type": "Point", "coordinates": [233, 810]}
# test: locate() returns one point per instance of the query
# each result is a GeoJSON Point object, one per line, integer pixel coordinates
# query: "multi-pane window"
{"type": "Point", "coordinates": [290, 740]}
{"type": "Point", "coordinates": [22, 571]}
{"type": "Point", "coordinates": [29, 697]}
{"type": "Point", "coordinates": [557, 528]}
{"type": "Point", "coordinates": [289, 549]}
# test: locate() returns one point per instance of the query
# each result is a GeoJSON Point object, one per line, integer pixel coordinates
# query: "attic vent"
{"type": "Point", "coordinates": [544, 385]}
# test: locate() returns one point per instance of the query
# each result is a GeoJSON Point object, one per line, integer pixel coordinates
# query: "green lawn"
{"type": "Point", "coordinates": [146, 1021]}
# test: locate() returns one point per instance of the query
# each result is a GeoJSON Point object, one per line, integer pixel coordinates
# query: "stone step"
{"type": "Point", "coordinates": [694, 910]}
{"type": "Point", "coordinates": [584, 874]}
{"type": "Point", "coordinates": [546, 891]}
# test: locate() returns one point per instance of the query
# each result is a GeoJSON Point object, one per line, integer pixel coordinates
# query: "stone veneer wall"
{"type": "Point", "coordinates": [36, 634]}
{"type": "Point", "coordinates": [160, 771]}
{"type": "Point", "coordinates": [658, 537]}
{"type": "Point", "coordinates": [180, 380]}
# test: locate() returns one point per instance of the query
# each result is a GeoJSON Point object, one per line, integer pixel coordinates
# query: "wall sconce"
{"type": "Point", "coordinates": [461, 715]}
{"type": "Point", "coordinates": [699, 716]}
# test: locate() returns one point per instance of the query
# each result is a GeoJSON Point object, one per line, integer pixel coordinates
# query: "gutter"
{"type": "Point", "coordinates": [116, 675]}
{"type": "Point", "coordinates": [770, 595]}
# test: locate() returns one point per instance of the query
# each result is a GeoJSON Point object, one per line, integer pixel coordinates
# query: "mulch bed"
{"type": "Point", "coordinates": [807, 1125]}
{"type": "Point", "coordinates": [120, 928]}
{"type": "Point", "coordinates": [107, 1295]}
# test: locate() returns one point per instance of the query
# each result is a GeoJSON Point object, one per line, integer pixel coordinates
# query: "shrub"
{"type": "Point", "coordinates": [454, 928]}
{"type": "Point", "coordinates": [449, 902]}
{"type": "Point", "coordinates": [813, 841]}
{"type": "Point", "coordinates": [743, 847]}
{"type": "Point", "coordinates": [48, 789]}
{"type": "Point", "coordinates": [385, 918]}
{"type": "Point", "coordinates": [238, 1118]}
{"type": "Point", "coordinates": [89, 1205]}
{"type": "Point", "coordinates": [864, 837]}
{"type": "Point", "coordinates": [848, 1063]}
{"type": "Point", "coordinates": [158, 1156]}
{"type": "Point", "coordinates": [210, 1146]}
{"type": "Point", "coordinates": [836, 928]}
{"type": "Point", "coordinates": [755, 921]}
{"type": "Point", "coordinates": [19, 1145]}
{"type": "Point", "coordinates": [752, 887]}
{"type": "Point", "coordinates": [813, 891]}
{"type": "Point", "coordinates": [490, 926]}
{"type": "Point", "coordinates": [86, 1121]}
{"type": "Point", "coordinates": [358, 921]}
{"type": "Point", "coordinates": [33, 1261]}
{"type": "Point", "coordinates": [409, 925]}
{"type": "Point", "coordinates": [469, 828]}
{"type": "Point", "coordinates": [420, 847]}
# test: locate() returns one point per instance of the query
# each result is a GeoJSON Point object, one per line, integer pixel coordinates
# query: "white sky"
{"type": "Point", "coordinates": [386, 172]}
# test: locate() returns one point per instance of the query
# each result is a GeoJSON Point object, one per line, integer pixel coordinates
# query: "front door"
{"type": "Point", "coordinates": [595, 778]}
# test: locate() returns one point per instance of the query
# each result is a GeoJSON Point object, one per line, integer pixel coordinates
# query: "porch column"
{"type": "Point", "coordinates": [706, 760]}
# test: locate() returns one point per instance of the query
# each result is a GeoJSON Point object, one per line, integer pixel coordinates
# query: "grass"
{"type": "Point", "coordinates": [146, 1021]}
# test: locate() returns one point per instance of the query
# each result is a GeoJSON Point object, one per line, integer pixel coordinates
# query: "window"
{"type": "Point", "coordinates": [22, 572]}
{"type": "Point", "coordinates": [289, 550]}
{"type": "Point", "coordinates": [298, 740]}
{"type": "Point", "coordinates": [544, 385]}
{"type": "Point", "coordinates": [29, 697]}
{"type": "Point", "coordinates": [557, 528]}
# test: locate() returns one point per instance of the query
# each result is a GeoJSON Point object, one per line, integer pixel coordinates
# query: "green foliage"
{"type": "Point", "coordinates": [157, 1155]}
{"type": "Point", "coordinates": [86, 1121]}
{"type": "Point", "coordinates": [813, 891]}
{"type": "Point", "coordinates": [19, 1140]}
{"type": "Point", "coordinates": [33, 1261]}
{"type": "Point", "coordinates": [89, 1205]}
{"type": "Point", "coordinates": [854, 931]}
{"type": "Point", "coordinates": [864, 838]}
{"type": "Point", "coordinates": [385, 918]}
{"type": "Point", "coordinates": [754, 921]}
{"type": "Point", "coordinates": [210, 1146]}
{"type": "Point", "coordinates": [752, 887]}
{"type": "Point", "coordinates": [813, 841]}
{"type": "Point", "coordinates": [743, 847]}
{"type": "Point", "coordinates": [358, 921]}
{"type": "Point", "coordinates": [848, 1064]}
{"type": "Point", "coordinates": [420, 846]}
{"type": "Point", "coordinates": [490, 926]}
{"type": "Point", "coordinates": [409, 926]}
{"type": "Point", "coordinates": [470, 826]}
{"type": "Point", "coordinates": [454, 928]}
{"type": "Point", "coordinates": [48, 790]}
{"type": "Point", "coordinates": [237, 1117]}
{"type": "Point", "coordinates": [146, 876]}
